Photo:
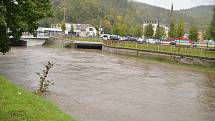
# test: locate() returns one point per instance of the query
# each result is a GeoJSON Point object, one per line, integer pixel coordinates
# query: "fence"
{"type": "Point", "coordinates": [181, 50]}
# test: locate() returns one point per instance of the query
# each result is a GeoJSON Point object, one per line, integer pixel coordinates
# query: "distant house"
{"type": "Point", "coordinates": [155, 25]}
{"type": "Point", "coordinates": [47, 32]}
{"type": "Point", "coordinates": [58, 26]}
{"type": "Point", "coordinates": [84, 30]}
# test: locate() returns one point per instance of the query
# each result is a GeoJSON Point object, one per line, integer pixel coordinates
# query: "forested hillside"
{"type": "Point", "coordinates": [131, 13]}
{"type": "Point", "coordinates": [201, 14]}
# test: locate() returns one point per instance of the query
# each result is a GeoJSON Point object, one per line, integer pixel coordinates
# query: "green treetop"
{"type": "Point", "coordinates": [193, 33]}
{"type": "Point", "coordinates": [172, 30]}
{"type": "Point", "coordinates": [148, 31]}
{"type": "Point", "coordinates": [212, 27]}
{"type": "Point", "coordinates": [18, 16]}
{"type": "Point", "coordinates": [180, 29]}
{"type": "Point", "coordinates": [160, 32]}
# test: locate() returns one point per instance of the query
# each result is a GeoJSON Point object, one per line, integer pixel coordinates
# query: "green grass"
{"type": "Point", "coordinates": [85, 39]}
{"type": "Point", "coordinates": [17, 104]}
{"type": "Point", "coordinates": [164, 48]}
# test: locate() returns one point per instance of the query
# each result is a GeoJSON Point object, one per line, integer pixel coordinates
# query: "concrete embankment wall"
{"type": "Point", "coordinates": [18, 43]}
{"type": "Point", "coordinates": [207, 62]}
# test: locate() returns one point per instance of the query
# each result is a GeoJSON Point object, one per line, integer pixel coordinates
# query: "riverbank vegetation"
{"type": "Point", "coordinates": [44, 83]}
{"type": "Point", "coordinates": [17, 104]}
{"type": "Point", "coordinates": [18, 16]}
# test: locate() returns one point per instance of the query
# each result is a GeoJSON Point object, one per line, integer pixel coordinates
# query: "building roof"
{"type": "Point", "coordinates": [48, 29]}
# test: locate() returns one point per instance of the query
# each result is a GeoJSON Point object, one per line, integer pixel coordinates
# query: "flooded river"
{"type": "Point", "coordinates": [93, 86]}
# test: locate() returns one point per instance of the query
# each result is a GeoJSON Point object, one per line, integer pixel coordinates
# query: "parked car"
{"type": "Point", "coordinates": [114, 37]}
{"type": "Point", "coordinates": [153, 41]}
{"type": "Point", "coordinates": [140, 40]}
{"type": "Point", "coordinates": [172, 43]}
{"type": "Point", "coordinates": [132, 39]}
{"type": "Point", "coordinates": [194, 44]}
{"type": "Point", "coordinates": [106, 37]}
{"type": "Point", "coordinates": [157, 41]}
{"type": "Point", "coordinates": [122, 38]}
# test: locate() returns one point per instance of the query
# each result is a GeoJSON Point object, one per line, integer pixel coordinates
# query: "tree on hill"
{"type": "Point", "coordinates": [18, 16]}
{"type": "Point", "coordinates": [148, 31]}
{"type": "Point", "coordinates": [160, 32]}
{"type": "Point", "coordinates": [193, 33]}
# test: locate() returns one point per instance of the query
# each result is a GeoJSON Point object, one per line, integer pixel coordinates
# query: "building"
{"type": "Point", "coordinates": [48, 32]}
{"type": "Point", "coordinates": [80, 30]}
{"type": "Point", "coordinates": [58, 26]}
{"type": "Point", "coordinates": [155, 25]}
{"type": "Point", "coordinates": [84, 30]}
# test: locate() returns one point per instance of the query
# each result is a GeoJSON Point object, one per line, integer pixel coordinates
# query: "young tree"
{"type": "Point", "coordinates": [180, 29]}
{"type": "Point", "coordinates": [172, 30]}
{"type": "Point", "coordinates": [148, 31]}
{"type": "Point", "coordinates": [18, 16]}
{"type": "Point", "coordinates": [63, 27]}
{"type": "Point", "coordinates": [212, 27]}
{"type": "Point", "coordinates": [120, 27]}
{"type": "Point", "coordinates": [207, 34]}
{"type": "Point", "coordinates": [116, 29]}
{"type": "Point", "coordinates": [137, 31]}
{"type": "Point", "coordinates": [160, 32]}
{"type": "Point", "coordinates": [123, 29]}
{"type": "Point", "coordinates": [193, 33]}
{"type": "Point", "coordinates": [107, 26]}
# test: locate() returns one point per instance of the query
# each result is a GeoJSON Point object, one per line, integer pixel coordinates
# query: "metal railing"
{"type": "Point", "coordinates": [170, 49]}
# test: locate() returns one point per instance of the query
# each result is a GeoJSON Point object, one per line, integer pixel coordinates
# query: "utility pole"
{"type": "Point", "coordinates": [100, 26]}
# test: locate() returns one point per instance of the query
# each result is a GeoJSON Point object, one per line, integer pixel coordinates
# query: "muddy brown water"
{"type": "Point", "coordinates": [93, 86]}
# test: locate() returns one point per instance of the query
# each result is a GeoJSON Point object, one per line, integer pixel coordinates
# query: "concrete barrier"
{"type": "Point", "coordinates": [206, 62]}
{"type": "Point", "coordinates": [18, 43]}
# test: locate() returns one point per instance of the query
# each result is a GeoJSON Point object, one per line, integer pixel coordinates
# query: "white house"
{"type": "Point", "coordinates": [155, 25]}
{"type": "Point", "coordinates": [58, 26]}
{"type": "Point", "coordinates": [84, 30]}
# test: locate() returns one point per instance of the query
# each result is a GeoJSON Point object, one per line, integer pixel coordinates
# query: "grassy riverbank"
{"type": "Point", "coordinates": [17, 104]}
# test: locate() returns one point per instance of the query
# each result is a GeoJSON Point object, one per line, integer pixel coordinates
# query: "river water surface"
{"type": "Point", "coordinates": [93, 86]}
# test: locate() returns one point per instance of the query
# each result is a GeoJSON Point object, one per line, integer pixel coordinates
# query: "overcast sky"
{"type": "Point", "coordinates": [178, 4]}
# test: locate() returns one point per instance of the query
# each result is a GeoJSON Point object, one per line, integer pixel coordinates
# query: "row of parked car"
{"type": "Point", "coordinates": [150, 41]}
{"type": "Point", "coordinates": [130, 38]}
{"type": "Point", "coordinates": [117, 37]}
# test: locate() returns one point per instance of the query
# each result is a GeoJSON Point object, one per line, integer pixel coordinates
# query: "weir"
{"type": "Point", "coordinates": [88, 45]}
